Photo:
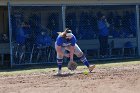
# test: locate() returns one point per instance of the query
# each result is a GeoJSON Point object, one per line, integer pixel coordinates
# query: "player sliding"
{"type": "Point", "coordinates": [67, 41]}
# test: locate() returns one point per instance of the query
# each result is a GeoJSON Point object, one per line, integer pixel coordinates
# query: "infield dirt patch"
{"type": "Point", "coordinates": [118, 79]}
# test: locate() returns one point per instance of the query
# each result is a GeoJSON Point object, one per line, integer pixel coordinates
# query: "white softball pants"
{"type": "Point", "coordinates": [77, 51]}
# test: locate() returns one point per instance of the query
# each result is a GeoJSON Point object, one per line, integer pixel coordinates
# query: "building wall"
{"type": "Point", "coordinates": [3, 19]}
{"type": "Point", "coordinates": [77, 2]}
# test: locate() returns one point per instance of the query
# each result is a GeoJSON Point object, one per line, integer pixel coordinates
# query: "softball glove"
{"type": "Point", "coordinates": [72, 65]}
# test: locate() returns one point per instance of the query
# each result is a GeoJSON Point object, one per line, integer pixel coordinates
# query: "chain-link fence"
{"type": "Point", "coordinates": [83, 20]}
{"type": "Point", "coordinates": [139, 15]}
{"type": "Point", "coordinates": [113, 26]}
{"type": "Point", "coordinates": [34, 30]}
{"type": "Point", "coordinates": [4, 36]}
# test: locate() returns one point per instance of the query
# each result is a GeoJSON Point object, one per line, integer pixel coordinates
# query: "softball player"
{"type": "Point", "coordinates": [67, 41]}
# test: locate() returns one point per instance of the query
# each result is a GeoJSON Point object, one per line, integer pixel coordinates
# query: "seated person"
{"type": "Point", "coordinates": [43, 40]}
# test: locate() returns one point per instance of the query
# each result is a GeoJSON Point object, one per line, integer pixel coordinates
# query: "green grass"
{"type": "Point", "coordinates": [119, 64]}
{"type": "Point", "coordinates": [40, 69]}
{"type": "Point", "coordinates": [4, 73]}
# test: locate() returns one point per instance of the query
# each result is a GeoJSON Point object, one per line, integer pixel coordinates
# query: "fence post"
{"type": "Point", "coordinates": [10, 33]}
{"type": "Point", "coordinates": [138, 28]}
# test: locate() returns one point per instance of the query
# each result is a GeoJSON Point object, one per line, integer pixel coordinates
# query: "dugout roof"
{"type": "Point", "coordinates": [77, 2]}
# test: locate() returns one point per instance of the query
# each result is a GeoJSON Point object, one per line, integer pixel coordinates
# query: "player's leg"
{"type": "Point", "coordinates": [60, 60]}
{"type": "Point", "coordinates": [78, 52]}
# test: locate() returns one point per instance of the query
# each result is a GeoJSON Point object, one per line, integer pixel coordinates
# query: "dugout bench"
{"type": "Point", "coordinates": [114, 44]}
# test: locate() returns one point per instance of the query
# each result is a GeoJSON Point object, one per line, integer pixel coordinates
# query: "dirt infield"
{"type": "Point", "coordinates": [118, 79]}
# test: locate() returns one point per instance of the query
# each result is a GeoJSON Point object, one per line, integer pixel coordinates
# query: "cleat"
{"type": "Point", "coordinates": [59, 72]}
{"type": "Point", "coordinates": [91, 68]}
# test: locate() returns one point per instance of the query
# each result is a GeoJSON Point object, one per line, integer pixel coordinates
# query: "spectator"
{"type": "Point", "coordinates": [20, 35]}
{"type": "Point", "coordinates": [43, 39]}
{"type": "Point", "coordinates": [103, 26]}
{"type": "Point", "coordinates": [23, 35]}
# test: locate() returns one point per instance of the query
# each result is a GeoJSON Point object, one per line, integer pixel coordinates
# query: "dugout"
{"type": "Point", "coordinates": [4, 34]}
{"type": "Point", "coordinates": [51, 16]}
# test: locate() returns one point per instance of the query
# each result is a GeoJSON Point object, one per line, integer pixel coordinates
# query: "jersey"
{"type": "Point", "coordinates": [103, 28]}
{"type": "Point", "coordinates": [61, 41]}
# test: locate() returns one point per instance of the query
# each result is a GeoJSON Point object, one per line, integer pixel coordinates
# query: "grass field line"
{"type": "Point", "coordinates": [44, 70]}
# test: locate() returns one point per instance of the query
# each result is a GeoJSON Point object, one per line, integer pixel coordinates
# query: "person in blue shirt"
{"type": "Point", "coordinates": [103, 26]}
{"type": "Point", "coordinates": [42, 39]}
{"type": "Point", "coordinates": [20, 35]}
{"type": "Point", "coordinates": [67, 41]}
{"type": "Point", "coordinates": [21, 40]}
